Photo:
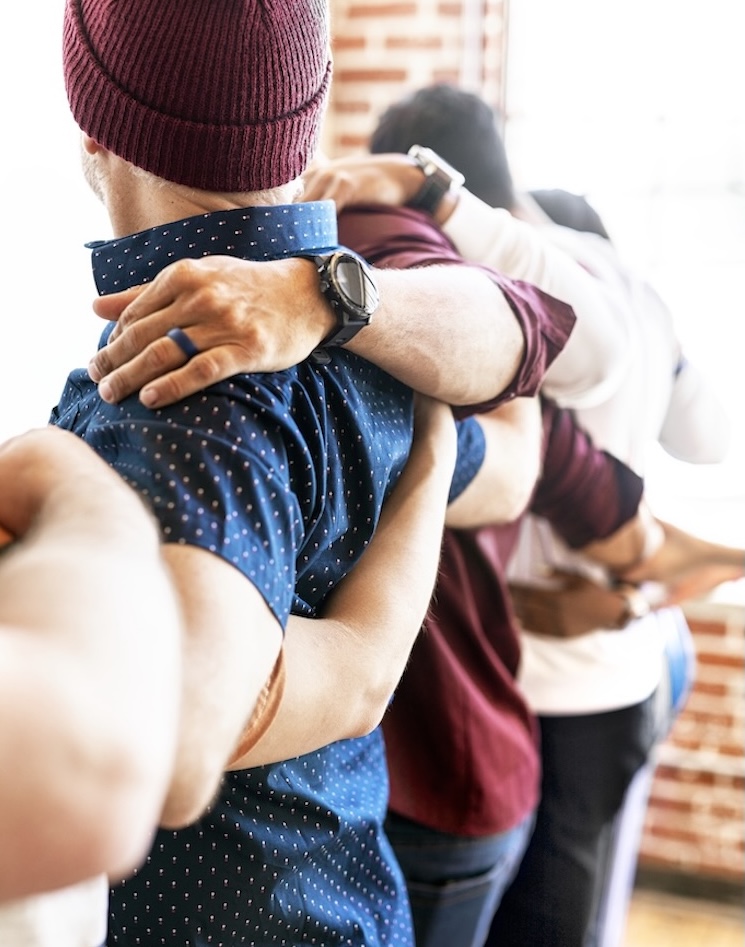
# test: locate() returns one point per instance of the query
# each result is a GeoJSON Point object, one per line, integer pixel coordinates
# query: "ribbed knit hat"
{"type": "Point", "coordinates": [223, 95]}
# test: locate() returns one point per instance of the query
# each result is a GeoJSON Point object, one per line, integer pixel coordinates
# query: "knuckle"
{"type": "Point", "coordinates": [159, 355]}
{"type": "Point", "coordinates": [103, 362]}
{"type": "Point", "coordinates": [206, 369]}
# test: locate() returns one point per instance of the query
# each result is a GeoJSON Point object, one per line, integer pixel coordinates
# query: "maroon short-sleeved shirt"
{"type": "Point", "coordinates": [460, 740]}
{"type": "Point", "coordinates": [400, 238]}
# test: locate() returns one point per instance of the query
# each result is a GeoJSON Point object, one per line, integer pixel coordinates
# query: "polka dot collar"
{"type": "Point", "coordinates": [258, 233]}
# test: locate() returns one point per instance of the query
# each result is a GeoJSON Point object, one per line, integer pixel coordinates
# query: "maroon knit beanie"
{"type": "Point", "coordinates": [223, 95]}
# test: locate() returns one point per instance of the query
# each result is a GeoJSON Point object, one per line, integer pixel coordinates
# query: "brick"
{"type": "Point", "coordinates": [382, 11]}
{"type": "Point", "coordinates": [414, 42]}
{"type": "Point", "coordinates": [344, 43]}
{"type": "Point", "coordinates": [713, 688]}
{"type": "Point", "coordinates": [445, 75]}
{"type": "Point", "coordinates": [349, 108]}
{"type": "Point", "coordinates": [699, 627]}
{"type": "Point", "coordinates": [731, 749]}
{"type": "Point", "coordinates": [447, 10]}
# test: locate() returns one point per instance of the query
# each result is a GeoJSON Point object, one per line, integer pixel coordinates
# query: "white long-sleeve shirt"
{"type": "Point", "coordinates": [624, 375]}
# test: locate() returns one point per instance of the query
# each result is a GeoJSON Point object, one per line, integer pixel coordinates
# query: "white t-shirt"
{"type": "Point", "coordinates": [70, 917]}
{"type": "Point", "coordinates": [623, 374]}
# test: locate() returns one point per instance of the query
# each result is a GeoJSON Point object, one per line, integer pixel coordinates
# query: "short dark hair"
{"type": "Point", "coordinates": [461, 127]}
{"type": "Point", "coordinates": [570, 210]}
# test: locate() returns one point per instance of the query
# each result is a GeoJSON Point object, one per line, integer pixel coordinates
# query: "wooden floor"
{"type": "Point", "coordinates": [665, 920]}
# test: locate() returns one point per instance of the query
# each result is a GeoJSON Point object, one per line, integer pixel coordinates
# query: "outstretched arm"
{"type": "Point", "coordinates": [460, 333]}
{"type": "Point", "coordinates": [687, 565]}
{"type": "Point", "coordinates": [89, 668]}
{"type": "Point", "coordinates": [447, 331]}
{"type": "Point", "coordinates": [342, 668]}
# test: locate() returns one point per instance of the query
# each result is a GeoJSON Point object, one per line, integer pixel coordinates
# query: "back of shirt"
{"type": "Point", "coordinates": [650, 404]}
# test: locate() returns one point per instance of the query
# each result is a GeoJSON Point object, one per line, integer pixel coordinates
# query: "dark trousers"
{"type": "Point", "coordinates": [454, 881]}
{"type": "Point", "coordinates": [588, 763]}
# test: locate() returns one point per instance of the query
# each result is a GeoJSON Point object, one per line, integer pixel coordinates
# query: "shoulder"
{"type": "Point", "coordinates": [394, 236]}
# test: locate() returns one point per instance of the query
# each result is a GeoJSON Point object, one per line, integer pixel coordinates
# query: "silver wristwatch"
{"type": "Point", "coordinates": [439, 178]}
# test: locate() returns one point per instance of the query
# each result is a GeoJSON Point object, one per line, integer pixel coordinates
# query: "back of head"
{"type": "Point", "coordinates": [461, 128]}
{"type": "Point", "coordinates": [570, 210]}
{"type": "Point", "coordinates": [222, 95]}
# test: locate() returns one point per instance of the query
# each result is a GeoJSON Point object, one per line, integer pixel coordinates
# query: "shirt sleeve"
{"type": "Point", "coordinates": [696, 427]}
{"type": "Point", "coordinates": [584, 492]}
{"type": "Point", "coordinates": [471, 453]}
{"type": "Point", "coordinates": [214, 469]}
{"type": "Point", "coordinates": [399, 238]}
{"type": "Point", "coordinates": [593, 361]}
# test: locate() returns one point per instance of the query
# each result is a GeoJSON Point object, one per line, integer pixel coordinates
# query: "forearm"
{"type": "Point", "coordinates": [502, 488]}
{"type": "Point", "coordinates": [231, 645]}
{"type": "Point", "coordinates": [89, 700]}
{"type": "Point", "coordinates": [636, 541]}
{"type": "Point", "coordinates": [687, 565]}
{"type": "Point", "coordinates": [594, 358]}
{"type": "Point", "coordinates": [435, 349]}
{"type": "Point", "coordinates": [343, 668]}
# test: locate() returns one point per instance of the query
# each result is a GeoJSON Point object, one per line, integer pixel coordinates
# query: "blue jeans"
{"type": "Point", "coordinates": [454, 881]}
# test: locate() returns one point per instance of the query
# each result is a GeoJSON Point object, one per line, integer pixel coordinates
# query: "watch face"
{"type": "Point", "coordinates": [355, 285]}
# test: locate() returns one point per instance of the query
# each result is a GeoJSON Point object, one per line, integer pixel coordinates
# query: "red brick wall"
{"type": "Point", "coordinates": [382, 50]}
{"type": "Point", "coordinates": [696, 817]}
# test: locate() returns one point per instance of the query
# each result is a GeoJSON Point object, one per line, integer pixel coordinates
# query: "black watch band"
{"type": "Point", "coordinates": [439, 178]}
{"type": "Point", "coordinates": [349, 286]}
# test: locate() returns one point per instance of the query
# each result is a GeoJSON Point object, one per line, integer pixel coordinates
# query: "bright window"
{"type": "Point", "coordinates": [638, 105]}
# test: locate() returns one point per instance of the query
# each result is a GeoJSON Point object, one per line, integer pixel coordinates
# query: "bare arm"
{"type": "Point", "coordinates": [681, 565]}
{"type": "Point", "coordinates": [446, 331]}
{"type": "Point", "coordinates": [89, 668]}
{"type": "Point", "coordinates": [501, 489]}
{"type": "Point", "coordinates": [592, 363]}
{"type": "Point", "coordinates": [687, 565]}
{"type": "Point", "coordinates": [232, 642]}
{"type": "Point", "coordinates": [342, 669]}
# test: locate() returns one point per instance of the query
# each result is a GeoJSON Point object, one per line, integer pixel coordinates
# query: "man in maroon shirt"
{"type": "Point", "coordinates": [461, 744]}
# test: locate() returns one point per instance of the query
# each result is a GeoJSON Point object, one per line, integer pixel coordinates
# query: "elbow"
{"type": "Point", "coordinates": [518, 497]}
{"type": "Point", "coordinates": [192, 789]}
{"type": "Point", "coordinates": [372, 702]}
{"type": "Point", "coordinates": [367, 720]}
{"type": "Point", "coordinates": [589, 369]}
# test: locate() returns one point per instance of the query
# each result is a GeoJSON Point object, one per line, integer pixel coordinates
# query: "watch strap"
{"type": "Point", "coordinates": [351, 314]}
{"type": "Point", "coordinates": [439, 179]}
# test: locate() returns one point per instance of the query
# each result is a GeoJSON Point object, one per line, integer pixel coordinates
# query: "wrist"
{"type": "Point", "coordinates": [446, 207]}
{"type": "Point", "coordinates": [440, 179]}
{"type": "Point", "coordinates": [321, 316]}
{"type": "Point", "coordinates": [635, 605]}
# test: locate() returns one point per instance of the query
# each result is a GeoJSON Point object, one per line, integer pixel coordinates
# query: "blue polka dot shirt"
{"type": "Point", "coordinates": [284, 475]}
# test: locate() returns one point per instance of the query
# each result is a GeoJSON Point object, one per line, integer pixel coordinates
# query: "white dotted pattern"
{"type": "Point", "coordinates": [283, 475]}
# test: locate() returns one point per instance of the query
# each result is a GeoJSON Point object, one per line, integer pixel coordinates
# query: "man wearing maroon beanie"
{"type": "Point", "coordinates": [197, 117]}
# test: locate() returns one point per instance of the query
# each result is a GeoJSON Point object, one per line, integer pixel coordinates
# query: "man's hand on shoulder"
{"type": "Point", "coordinates": [241, 316]}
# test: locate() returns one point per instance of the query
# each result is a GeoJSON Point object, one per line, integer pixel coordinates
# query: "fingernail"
{"type": "Point", "coordinates": [93, 371]}
{"type": "Point", "coordinates": [149, 397]}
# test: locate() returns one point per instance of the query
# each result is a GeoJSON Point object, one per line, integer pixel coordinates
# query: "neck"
{"type": "Point", "coordinates": [138, 201]}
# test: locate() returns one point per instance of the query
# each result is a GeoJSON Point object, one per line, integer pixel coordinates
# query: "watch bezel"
{"type": "Point", "coordinates": [439, 178]}
{"type": "Point", "coordinates": [352, 315]}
